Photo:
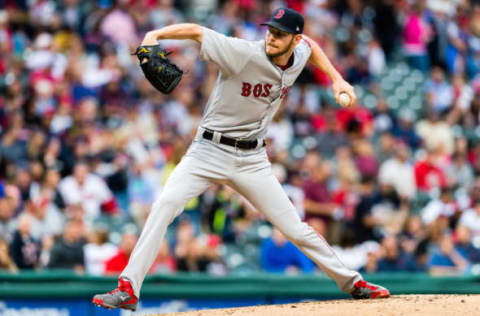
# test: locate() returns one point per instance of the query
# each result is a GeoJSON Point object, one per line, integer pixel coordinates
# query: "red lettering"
{"type": "Point", "coordinates": [257, 90]}
{"type": "Point", "coordinates": [266, 90]}
{"type": "Point", "coordinates": [246, 89]}
{"type": "Point", "coordinates": [284, 92]}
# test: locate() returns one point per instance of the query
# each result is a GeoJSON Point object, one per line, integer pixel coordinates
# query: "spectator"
{"type": "Point", "coordinates": [386, 26]}
{"type": "Point", "coordinates": [6, 223]}
{"type": "Point", "coordinates": [458, 38]}
{"type": "Point", "coordinates": [384, 117]}
{"type": "Point", "coordinates": [292, 184]}
{"type": "Point", "coordinates": [346, 194]}
{"type": "Point", "coordinates": [428, 175]}
{"type": "Point", "coordinates": [365, 159]}
{"type": "Point", "coordinates": [462, 98]}
{"type": "Point", "coordinates": [97, 251]}
{"type": "Point", "coordinates": [330, 136]}
{"type": "Point", "coordinates": [443, 206]}
{"type": "Point", "coordinates": [364, 223]}
{"type": "Point", "coordinates": [318, 202]}
{"type": "Point", "coordinates": [226, 207]}
{"type": "Point", "coordinates": [188, 250]}
{"type": "Point", "coordinates": [24, 249]}
{"type": "Point", "coordinates": [414, 241]}
{"type": "Point", "coordinates": [194, 257]}
{"type": "Point", "coordinates": [89, 190]}
{"type": "Point", "coordinates": [67, 252]}
{"type": "Point", "coordinates": [459, 173]}
{"type": "Point", "coordinates": [439, 93]}
{"type": "Point", "coordinates": [118, 262]}
{"type": "Point", "coordinates": [354, 255]}
{"type": "Point", "coordinates": [394, 259]}
{"type": "Point", "coordinates": [6, 262]}
{"type": "Point", "coordinates": [398, 172]}
{"type": "Point", "coordinates": [164, 263]}
{"type": "Point", "coordinates": [280, 131]}
{"type": "Point", "coordinates": [435, 133]}
{"type": "Point", "coordinates": [380, 212]}
{"type": "Point", "coordinates": [446, 260]}
{"type": "Point", "coordinates": [46, 218]}
{"type": "Point", "coordinates": [471, 219]}
{"type": "Point", "coordinates": [278, 255]}
{"type": "Point", "coordinates": [119, 17]}
{"type": "Point", "coordinates": [141, 192]}
{"type": "Point", "coordinates": [464, 245]}
{"type": "Point", "coordinates": [12, 147]}
{"type": "Point", "coordinates": [416, 34]}
{"type": "Point", "coordinates": [404, 130]}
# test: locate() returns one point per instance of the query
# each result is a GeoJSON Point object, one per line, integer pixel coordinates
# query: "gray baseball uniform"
{"type": "Point", "coordinates": [247, 93]}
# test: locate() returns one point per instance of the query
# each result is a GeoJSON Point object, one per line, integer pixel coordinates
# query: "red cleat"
{"type": "Point", "coordinates": [121, 297]}
{"type": "Point", "coordinates": [363, 290]}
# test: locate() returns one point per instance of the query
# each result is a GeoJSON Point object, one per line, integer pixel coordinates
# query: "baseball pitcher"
{"type": "Point", "coordinates": [229, 148]}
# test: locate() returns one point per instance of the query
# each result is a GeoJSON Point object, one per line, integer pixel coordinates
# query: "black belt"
{"type": "Point", "coordinates": [242, 144]}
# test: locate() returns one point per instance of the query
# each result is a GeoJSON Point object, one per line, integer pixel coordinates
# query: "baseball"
{"type": "Point", "coordinates": [344, 99]}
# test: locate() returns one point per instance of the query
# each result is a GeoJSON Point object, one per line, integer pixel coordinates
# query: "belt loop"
{"type": "Point", "coordinates": [216, 137]}
{"type": "Point", "coordinates": [259, 143]}
{"type": "Point", "coordinates": [199, 134]}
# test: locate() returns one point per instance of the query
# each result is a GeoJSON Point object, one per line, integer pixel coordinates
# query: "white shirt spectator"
{"type": "Point", "coordinates": [281, 132]}
{"type": "Point", "coordinates": [376, 59]}
{"type": "Point", "coordinates": [52, 224]}
{"type": "Point", "coordinates": [434, 209]}
{"type": "Point", "coordinates": [356, 257]}
{"type": "Point", "coordinates": [90, 195]}
{"type": "Point", "coordinates": [436, 134]}
{"type": "Point", "coordinates": [96, 256]}
{"type": "Point", "coordinates": [471, 219]}
{"type": "Point", "coordinates": [399, 174]}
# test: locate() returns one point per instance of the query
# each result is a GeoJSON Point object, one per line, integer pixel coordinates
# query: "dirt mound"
{"type": "Point", "coordinates": [411, 305]}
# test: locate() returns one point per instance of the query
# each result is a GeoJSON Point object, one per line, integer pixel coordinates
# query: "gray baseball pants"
{"type": "Point", "coordinates": [249, 173]}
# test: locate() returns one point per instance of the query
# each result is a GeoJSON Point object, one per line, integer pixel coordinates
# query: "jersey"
{"type": "Point", "coordinates": [249, 87]}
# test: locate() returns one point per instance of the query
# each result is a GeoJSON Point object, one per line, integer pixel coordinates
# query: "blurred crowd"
{"type": "Point", "coordinates": [86, 144]}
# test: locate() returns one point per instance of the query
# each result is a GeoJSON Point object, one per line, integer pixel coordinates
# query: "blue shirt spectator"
{"type": "Point", "coordinates": [394, 259]}
{"type": "Point", "coordinates": [280, 255]}
{"type": "Point", "coordinates": [446, 260]}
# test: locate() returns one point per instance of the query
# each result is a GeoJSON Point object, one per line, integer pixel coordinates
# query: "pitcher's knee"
{"type": "Point", "coordinates": [297, 234]}
{"type": "Point", "coordinates": [165, 202]}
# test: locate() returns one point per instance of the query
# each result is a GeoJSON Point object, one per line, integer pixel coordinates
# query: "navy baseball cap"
{"type": "Point", "coordinates": [286, 20]}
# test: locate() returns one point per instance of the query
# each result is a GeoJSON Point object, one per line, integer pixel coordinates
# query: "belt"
{"type": "Point", "coordinates": [242, 144]}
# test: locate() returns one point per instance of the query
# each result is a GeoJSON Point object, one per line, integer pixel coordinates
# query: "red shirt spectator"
{"type": "Point", "coordinates": [165, 262]}
{"type": "Point", "coordinates": [117, 263]}
{"type": "Point", "coordinates": [347, 199]}
{"type": "Point", "coordinates": [428, 175]}
{"type": "Point", "coordinates": [360, 114]}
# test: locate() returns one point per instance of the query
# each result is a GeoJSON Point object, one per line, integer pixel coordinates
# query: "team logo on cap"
{"type": "Point", "coordinates": [279, 14]}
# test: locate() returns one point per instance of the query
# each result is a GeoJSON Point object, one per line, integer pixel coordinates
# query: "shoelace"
{"type": "Point", "coordinates": [121, 287]}
{"type": "Point", "coordinates": [114, 291]}
{"type": "Point", "coordinates": [363, 283]}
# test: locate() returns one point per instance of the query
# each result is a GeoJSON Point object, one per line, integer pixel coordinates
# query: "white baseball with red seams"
{"type": "Point", "coordinates": [344, 99]}
{"type": "Point", "coordinates": [246, 95]}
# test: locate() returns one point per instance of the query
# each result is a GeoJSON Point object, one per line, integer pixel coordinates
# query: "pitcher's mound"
{"type": "Point", "coordinates": [411, 305]}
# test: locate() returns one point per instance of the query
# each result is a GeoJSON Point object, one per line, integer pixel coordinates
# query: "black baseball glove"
{"type": "Point", "coordinates": [158, 69]}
